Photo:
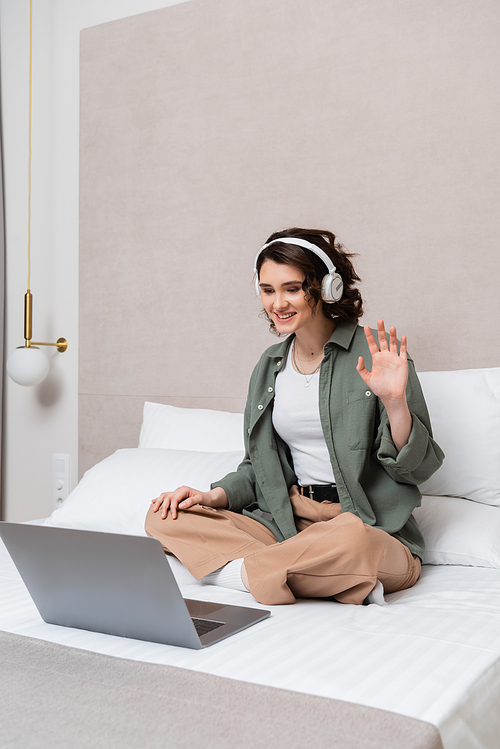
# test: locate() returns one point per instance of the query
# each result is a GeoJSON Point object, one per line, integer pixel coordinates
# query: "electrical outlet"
{"type": "Point", "coordinates": [60, 478]}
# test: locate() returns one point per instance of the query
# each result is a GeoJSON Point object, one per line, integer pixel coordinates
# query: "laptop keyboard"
{"type": "Point", "coordinates": [203, 626]}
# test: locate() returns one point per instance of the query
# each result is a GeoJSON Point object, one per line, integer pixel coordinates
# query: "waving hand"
{"type": "Point", "coordinates": [389, 373]}
{"type": "Point", "coordinates": [388, 379]}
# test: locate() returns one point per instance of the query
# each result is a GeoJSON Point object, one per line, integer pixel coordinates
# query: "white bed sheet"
{"type": "Point", "coordinates": [433, 653]}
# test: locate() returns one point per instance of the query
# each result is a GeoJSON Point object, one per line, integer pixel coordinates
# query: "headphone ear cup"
{"type": "Point", "coordinates": [332, 287]}
{"type": "Point", "coordinates": [257, 287]}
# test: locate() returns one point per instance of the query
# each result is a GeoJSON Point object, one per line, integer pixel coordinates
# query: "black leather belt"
{"type": "Point", "coordinates": [321, 492]}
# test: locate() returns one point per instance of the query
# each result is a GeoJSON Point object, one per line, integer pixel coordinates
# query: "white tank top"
{"type": "Point", "coordinates": [296, 419]}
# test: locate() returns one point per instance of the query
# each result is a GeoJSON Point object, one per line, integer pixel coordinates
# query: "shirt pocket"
{"type": "Point", "coordinates": [360, 419]}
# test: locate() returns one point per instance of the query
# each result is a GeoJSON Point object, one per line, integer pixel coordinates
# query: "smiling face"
{"type": "Point", "coordinates": [283, 297]}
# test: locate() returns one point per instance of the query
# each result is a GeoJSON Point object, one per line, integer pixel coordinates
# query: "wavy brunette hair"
{"type": "Point", "coordinates": [350, 306]}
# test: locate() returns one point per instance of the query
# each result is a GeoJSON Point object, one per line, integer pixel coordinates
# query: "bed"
{"type": "Point", "coordinates": [196, 142]}
{"type": "Point", "coordinates": [421, 671]}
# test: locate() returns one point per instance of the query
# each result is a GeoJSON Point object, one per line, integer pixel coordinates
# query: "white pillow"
{"type": "Point", "coordinates": [191, 429]}
{"type": "Point", "coordinates": [115, 494]}
{"type": "Point", "coordinates": [465, 413]}
{"type": "Point", "coordinates": [458, 531]}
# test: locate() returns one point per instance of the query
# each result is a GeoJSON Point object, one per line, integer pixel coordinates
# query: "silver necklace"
{"type": "Point", "coordinates": [300, 371]}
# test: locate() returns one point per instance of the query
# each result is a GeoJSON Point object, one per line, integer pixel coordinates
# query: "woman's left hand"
{"type": "Point", "coordinates": [389, 374]}
{"type": "Point", "coordinates": [388, 379]}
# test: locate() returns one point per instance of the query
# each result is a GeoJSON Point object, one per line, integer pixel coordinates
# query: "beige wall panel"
{"type": "Point", "coordinates": [208, 125]}
{"type": "Point", "coordinates": [110, 422]}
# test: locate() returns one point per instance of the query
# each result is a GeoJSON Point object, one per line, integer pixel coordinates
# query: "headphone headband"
{"type": "Point", "coordinates": [332, 284]}
{"type": "Point", "coordinates": [300, 243]}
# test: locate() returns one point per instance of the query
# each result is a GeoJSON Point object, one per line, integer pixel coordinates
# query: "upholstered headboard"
{"type": "Point", "coordinates": [208, 125]}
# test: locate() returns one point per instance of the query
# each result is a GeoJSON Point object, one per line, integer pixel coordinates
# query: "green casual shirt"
{"type": "Point", "coordinates": [374, 481]}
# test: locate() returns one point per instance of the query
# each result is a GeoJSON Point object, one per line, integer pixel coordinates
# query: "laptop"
{"type": "Point", "coordinates": [116, 584]}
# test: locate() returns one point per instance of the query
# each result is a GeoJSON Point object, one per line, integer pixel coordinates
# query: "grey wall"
{"type": "Point", "coordinates": [208, 125]}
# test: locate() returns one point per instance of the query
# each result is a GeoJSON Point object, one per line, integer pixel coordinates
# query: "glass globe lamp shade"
{"type": "Point", "coordinates": [27, 366]}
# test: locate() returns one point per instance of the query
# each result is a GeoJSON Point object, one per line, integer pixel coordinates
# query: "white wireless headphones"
{"type": "Point", "coordinates": [332, 286]}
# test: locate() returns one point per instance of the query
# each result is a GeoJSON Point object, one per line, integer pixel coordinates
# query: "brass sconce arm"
{"type": "Point", "coordinates": [61, 343]}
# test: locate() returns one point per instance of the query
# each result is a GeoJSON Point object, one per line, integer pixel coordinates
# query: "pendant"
{"type": "Point", "coordinates": [307, 384]}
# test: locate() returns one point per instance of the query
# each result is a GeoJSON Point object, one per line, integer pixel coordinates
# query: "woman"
{"type": "Point", "coordinates": [321, 505]}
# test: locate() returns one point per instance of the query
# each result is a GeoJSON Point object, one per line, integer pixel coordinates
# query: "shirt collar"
{"type": "Point", "coordinates": [341, 336]}
{"type": "Point", "coordinates": [279, 350]}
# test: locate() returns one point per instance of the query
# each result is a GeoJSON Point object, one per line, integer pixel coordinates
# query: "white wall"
{"type": "Point", "coordinates": [42, 420]}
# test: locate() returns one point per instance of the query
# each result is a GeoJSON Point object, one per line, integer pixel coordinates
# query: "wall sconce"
{"type": "Point", "coordinates": [27, 365]}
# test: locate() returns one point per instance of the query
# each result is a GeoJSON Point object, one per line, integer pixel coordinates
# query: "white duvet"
{"type": "Point", "coordinates": [432, 653]}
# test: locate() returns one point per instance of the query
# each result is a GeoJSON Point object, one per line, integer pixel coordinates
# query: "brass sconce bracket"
{"type": "Point", "coordinates": [61, 343]}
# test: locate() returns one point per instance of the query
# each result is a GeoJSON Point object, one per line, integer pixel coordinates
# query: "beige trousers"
{"type": "Point", "coordinates": [333, 554]}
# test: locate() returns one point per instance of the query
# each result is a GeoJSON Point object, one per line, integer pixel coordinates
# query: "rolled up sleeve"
{"type": "Point", "coordinates": [417, 460]}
